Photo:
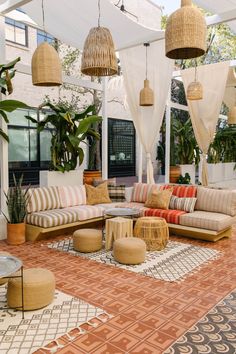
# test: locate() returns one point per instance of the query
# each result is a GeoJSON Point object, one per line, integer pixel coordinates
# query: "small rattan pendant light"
{"type": "Point", "coordinates": [99, 57]}
{"type": "Point", "coordinates": [186, 32]}
{"type": "Point", "coordinates": [146, 97]}
{"type": "Point", "coordinates": [195, 89]}
{"type": "Point", "coordinates": [45, 64]}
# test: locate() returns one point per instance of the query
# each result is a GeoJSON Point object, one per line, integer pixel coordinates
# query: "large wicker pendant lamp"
{"type": "Point", "coordinates": [45, 64]}
{"type": "Point", "coordinates": [195, 89]}
{"type": "Point", "coordinates": [99, 57]}
{"type": "Point", "coordinates": [146, 97]}
{"type": "Point", "coordinates": [186, 32]}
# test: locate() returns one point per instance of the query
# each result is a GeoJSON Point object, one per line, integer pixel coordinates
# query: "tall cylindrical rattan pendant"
{"type": "Point", "coordinates": [99, 58]}
{"type": "Point", "coordinates": [146, 95]}
{"type": "Point", "coordinates": [46, 66]}
{"type": "Point", "coordinates": [232, 116]}
{"type": "Point", "coordinates": [195, 91]}
{"type": "Point", "coordinates": [186, 32]}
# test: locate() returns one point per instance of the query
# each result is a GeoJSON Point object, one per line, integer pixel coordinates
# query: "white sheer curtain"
{"type": "Point", "coordinates": [147, 120]}
{"type": "Point", "coordinates": [205, 113]}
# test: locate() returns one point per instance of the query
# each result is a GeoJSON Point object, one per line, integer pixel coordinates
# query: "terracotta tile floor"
{"type": "Point", "coordinates": [149, 314]}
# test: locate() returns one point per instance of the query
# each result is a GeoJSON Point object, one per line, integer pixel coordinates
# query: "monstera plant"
{"type": "Point", "coordinates": [69, 132]}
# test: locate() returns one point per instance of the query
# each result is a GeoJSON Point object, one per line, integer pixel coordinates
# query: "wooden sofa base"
{"type": "Point", "coordinates": [200, 234]}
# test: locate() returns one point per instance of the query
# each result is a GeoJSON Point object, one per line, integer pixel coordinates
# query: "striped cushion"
{"type": "Point", "coordinates": [72, 196]}
{"type": "Point", "coordinates": [64, 216]}
{"type": "Point", "coordinates": [182, 191]}
{"type": "Point", "coordinates": [171, 216]}
{"type": "Point", "coordinates": [45, 198]}
{"type": "Point", "coordinates": [218, 201]}
{"type": "Point", "coordinates": [207, 220]}
{"type": "Point", "coordinates": [185, 204]}
{"type": "Point", "coordinates": [117, 193]}
{"type": "Point", "coordinates": [141, 192]}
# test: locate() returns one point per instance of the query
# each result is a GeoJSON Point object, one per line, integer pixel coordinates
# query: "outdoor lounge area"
{"type": "Point", "coordinates": [117, 176]}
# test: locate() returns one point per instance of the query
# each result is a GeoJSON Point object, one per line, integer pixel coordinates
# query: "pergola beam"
{"type": "Point", "coordinates": [217, 19]}
{"type": "Point", "coordinates": [10, 5]}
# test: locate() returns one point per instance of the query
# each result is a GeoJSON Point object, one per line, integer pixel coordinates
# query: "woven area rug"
{"type": "Point", "coordinates": [173, 263]}
{"type": "Point", "coordinates": [18, 336]}
{"type": "Point", "coordinates": [213, 334]}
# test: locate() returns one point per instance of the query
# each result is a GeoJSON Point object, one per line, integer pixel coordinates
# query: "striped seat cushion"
{"type": "Point", "coordinates": [51, 218]}
{"type": "Point", "coordinates": [141, 191]}
{"type": "Point", "coordinates": [171, 216]}
{"type": "Point", "coordinates": [45, 198]}
{"type": "Point", "coordinates": [71, 196]}
{"type": "Point", "coordinates": [182, 191]}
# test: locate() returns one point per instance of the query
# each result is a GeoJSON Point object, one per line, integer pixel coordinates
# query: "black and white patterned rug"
{"type": "Point", "coordinates": [40, 327]}
{"type": "Point", "coordinates": [173, 263]}
{"type": "Point", "coordinates": [213, 334]}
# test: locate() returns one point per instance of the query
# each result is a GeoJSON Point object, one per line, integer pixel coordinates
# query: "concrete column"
{"type": "Point", "coordinates": [140, 162]}
{"type": "Point", "coordinates": [104, 130]}
{"type": "Point", "coordinates": [167, 153]}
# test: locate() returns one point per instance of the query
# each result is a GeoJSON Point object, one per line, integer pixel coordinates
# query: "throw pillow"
{"type": "Point", "coordinates": [117, 193]}
{"type": "Point", "coordinates": [185, 204]}
{"type": "Point", "coordinates": [110, 181]}
{"type": "Point", "coordinates": [97, 195]}
{"type": "Point", "coordinates": [159, 199]}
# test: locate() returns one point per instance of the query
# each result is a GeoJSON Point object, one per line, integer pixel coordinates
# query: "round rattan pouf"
{"type": "Point", "coordinates": [129, 250]}
{"type": "Point", "coordinates": [39, 288]}
{"type": "Point", "coordinates": [154, 231]}
{"type": "Point", "coordinates": [87, 240]}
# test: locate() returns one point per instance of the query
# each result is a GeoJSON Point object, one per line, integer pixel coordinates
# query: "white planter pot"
{"type": "Point", "coordinates": [56, 178]}
{"type": "Point", "coordinates": [215, 172]}
{"type": "Point", "coordinates": [229, 172]}
{"type": "Point", "coordinates": [191, 170]}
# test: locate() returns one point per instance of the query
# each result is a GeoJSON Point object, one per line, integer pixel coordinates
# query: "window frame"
{"type": "Point", "coordinates": [21, 25]}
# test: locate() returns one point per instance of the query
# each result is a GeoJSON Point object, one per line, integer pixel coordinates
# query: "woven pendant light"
{"type": "Point", "coordinates": [99, 57]}
{"type": "Point", "coordinates": [186, 33]}
{"type": "Point", "coordinates": [232, 116]}
{"type": "Point", "coordinates": [195, 89]}
{"type": "Point", "coordinates": [45, 64]}
{"type": "Point", "coordinates": [146, 96]}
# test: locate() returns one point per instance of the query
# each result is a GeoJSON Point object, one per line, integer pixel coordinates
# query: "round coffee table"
{"type": "Point", "coordinates": [123, 212]}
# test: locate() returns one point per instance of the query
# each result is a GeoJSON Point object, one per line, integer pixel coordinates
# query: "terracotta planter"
{"type": "Point", "coordinates": [16, 234]}
{"type": "Point", "coordinates": [174, 173]}
{"type": "Point", "coordinates": [90, 175]}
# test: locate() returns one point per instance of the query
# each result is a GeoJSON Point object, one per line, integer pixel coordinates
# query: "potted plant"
{"type": "Point", "coordinates": [174, 166]}
{"type": "Point", "coordinates": [69, 131]}
{"type": "Point", "coordinates": [16, 200]}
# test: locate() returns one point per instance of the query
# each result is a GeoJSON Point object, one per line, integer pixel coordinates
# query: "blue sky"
{"type": "Point", "coordinates": [169, 5]}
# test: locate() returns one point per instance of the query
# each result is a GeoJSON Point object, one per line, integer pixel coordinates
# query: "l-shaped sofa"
{"type": "Point", "coordinates": [56, 210]}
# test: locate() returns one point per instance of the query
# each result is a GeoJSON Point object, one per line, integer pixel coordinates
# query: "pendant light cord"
{"type": "Point", "coordinates": [195, 70]}
{"type": "Point", "coordinates": [146, 45]}
{"type": "Point", "coordinates": [99, 12]}
{"type": "Point", "coordinates": [43, 19]}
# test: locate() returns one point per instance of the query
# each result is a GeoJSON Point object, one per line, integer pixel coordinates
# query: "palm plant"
{"type": "Point", "coordinates": [69, 130]}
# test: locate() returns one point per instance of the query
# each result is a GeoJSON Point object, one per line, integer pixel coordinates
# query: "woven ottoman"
{"type": "Point", "coordinates": [87, 240]}
{"type": "Point", "coordinates": [129, 250]}
{"type": "Point", "coordinates": [154, 231]}
{"type": "Point", "coordinates": [39, 288]}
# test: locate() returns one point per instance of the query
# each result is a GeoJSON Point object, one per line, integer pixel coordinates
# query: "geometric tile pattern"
{"type": "Point", "coordinates": [215, 333]}
{"type": "Point", "coordinates": [42, 326]}
{"type": "Point", "coordinates": [173, 263]}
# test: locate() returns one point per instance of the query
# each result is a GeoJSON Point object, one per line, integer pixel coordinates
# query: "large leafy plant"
{"type": "Point", "coordinates": [7, 72]}
{"type": "Point", "coordinates": [223, 148]}
{"type": "Point", "coordinates": [17, 199]}
{"type": "Point", "coordinates": [69, 131]}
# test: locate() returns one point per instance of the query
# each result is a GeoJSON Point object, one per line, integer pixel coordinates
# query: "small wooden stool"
{"type": "Point", "coordinates": [129, 250]}
{"type": "Point", "coordinates": [117, 228]}
{"type": "Point", "coordinates": [154, 231]}
{"type": "Point", "coordinates": [87, 240]}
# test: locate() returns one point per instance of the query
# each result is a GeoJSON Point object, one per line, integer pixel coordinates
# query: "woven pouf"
{"type": "Point", "coordinates": [129, 250]}
{"type": "Point", "coordinates": [87, 240]}
{"type": "Point", "coordinates": [4, 281]}
{"type": "Point", "coordinates": [39, 288]}
{"type": "Point", "coordinates": [154, 231]}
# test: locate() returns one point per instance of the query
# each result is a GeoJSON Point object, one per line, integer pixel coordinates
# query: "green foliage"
{"type": "Point", "coordinates": [69, 130]}
{"type": "Point", "coordinates": [16, 200]}
{"type": "Point", "coordinates": [223, 148]}
{"type": "Point", "coordinates": [184, 179]}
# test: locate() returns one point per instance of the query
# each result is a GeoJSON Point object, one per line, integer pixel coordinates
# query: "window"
{"type": "Point", "coordinates": [44, 37]}
{"type": "Point", "coordinates": [16, 32]}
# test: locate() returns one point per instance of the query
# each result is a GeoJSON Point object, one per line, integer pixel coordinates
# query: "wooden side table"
{"type": "Point", "coordinates": [154, 231]}
{"type": "Point", "coordinates": [117, 228]}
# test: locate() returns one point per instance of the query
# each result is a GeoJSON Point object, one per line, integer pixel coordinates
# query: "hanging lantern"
{"type": "Point", "coordinates": [99, 58]}
{"type": "Point", "coordinates": [46, 66]}
{"type": "Point", "coordinates": [146, 96]}
{"type": "Point", "coordinates": [232, 116]}
{"type": "Point", "coordinates": [195, 89]}
{"type": "Point", "coordinates": [186, 33]}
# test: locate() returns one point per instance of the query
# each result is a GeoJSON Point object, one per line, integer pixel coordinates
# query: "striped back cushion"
{"type": "Point", "coordinates": [219, 201]}
{"type": "Point", "coordinates": [185, 204]}
{"type": "Point", "coordinates": [141, 192]}
{"type": "Point", "coordinates": [182, 191]}
{"type": "Point", "coordinates": [71, 196]}
{"type": "Point", "coordinates": [45, 198]}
